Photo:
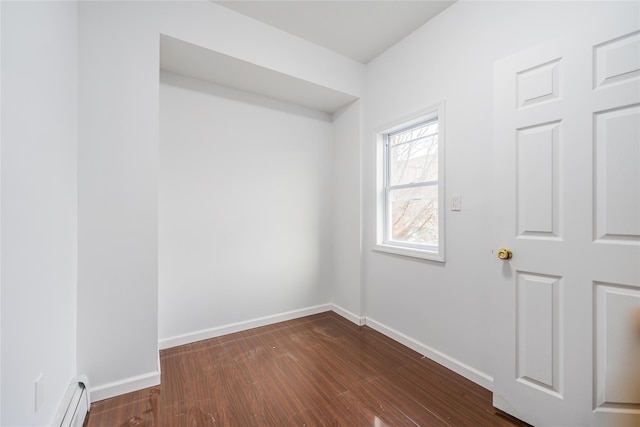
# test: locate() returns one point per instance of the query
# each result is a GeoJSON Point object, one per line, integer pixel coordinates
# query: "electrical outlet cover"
{"type": "Point", "coordinates": [39, 392]}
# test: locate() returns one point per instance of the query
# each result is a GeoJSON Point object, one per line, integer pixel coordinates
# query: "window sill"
{"type": "Point", "coordinates": [410, 252]}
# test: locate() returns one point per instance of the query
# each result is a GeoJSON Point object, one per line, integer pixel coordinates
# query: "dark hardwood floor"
{"type": "Point", "coordinates": [320, 370]}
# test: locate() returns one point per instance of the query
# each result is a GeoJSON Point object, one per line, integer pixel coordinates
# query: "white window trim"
{"type": "Point", "coordinates": [438, 253]}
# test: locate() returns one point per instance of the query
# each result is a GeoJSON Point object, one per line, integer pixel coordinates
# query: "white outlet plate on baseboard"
{"type": "Point", "coordinates": [39, 392]}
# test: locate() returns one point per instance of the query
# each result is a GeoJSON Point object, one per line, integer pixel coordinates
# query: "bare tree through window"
{"type": "Point", "coordinates": [412, 184]}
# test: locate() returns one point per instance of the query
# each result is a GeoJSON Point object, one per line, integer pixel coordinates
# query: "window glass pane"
{"type": "Point", "coordinates": [420, 131]}
{"type": "Point", "coordinates": [413, 162]}
{"type": "Point", "coordinates": [414, 215]}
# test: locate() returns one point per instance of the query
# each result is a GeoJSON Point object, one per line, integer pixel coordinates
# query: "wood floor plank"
{"type": "Point", "coordinates": [320, 370]}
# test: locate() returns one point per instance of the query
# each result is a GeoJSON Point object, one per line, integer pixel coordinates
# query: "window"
{"type": "Point", "coordinates": [410, 190]}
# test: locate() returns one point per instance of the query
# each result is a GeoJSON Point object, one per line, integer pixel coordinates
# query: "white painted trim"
{"type": "Point", "coordinates": [436, 110]}
{"type": "Point", "coordinates": [412, 252]}
{"type": "Point", "coordinates": [449, 362]}
{"type": "Point", "coordinates": [241, 326]}
{"type": "Point", "coordinates": [153, 378]}
{"type": "Point", "coordinates": [126, 385]}
{"type": "Point", "coordinates": [358, 320]}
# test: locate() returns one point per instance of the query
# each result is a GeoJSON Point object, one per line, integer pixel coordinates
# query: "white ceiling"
{"type": "Point", "coordinates": [358, 29]}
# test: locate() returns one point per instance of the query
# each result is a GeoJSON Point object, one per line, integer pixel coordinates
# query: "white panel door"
{"type": "Point", "coordinates": [567, 204]}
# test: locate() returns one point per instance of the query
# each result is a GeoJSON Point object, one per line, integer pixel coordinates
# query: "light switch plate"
{"type": "Point", "coordinates": [456, 202]}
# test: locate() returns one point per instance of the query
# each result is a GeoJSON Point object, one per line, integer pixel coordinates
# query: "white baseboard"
{"type": "Point", "coordinates": [449, 362]}
{"type": "Point", "coordinates": [153, 378]}
{"type": "Point", "coordinates": [126, 385]}
{"type": "Point", "coordinates": [358, 320]}
{"type": "Point", "coordinates": [240, 326]}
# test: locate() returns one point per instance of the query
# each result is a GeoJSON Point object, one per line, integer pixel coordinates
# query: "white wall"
{"type": "Point", "coordinates": [244, 208]}
{"type": "Point", "coordinates": [39, 207]}
{"type": "Point", "coordinates": [346, 228]}
{"type": "Point", "coordinates": [446, 307]}
{"type": "Point", "coordinates": [118, 164]}
{"type": "Point", "coordinates": [442, 306]}
{"type": "Point", "coordinates": [117, 196]}
{"type": "Point", "coordinates": [0, 213]}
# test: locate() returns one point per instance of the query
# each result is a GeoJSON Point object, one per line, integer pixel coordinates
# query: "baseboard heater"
{"type": "Point", "coordinates": [75, 405]}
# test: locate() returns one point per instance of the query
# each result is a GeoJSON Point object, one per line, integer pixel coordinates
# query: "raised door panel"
{"type": "Point", "coordinates": [539, 332]}
{"type": "Point", "coordinates": [617, 358]}
{"type": "Point", "coordinates": [617, 174]}
{"type": "Point", "coordinates": [537, 181]}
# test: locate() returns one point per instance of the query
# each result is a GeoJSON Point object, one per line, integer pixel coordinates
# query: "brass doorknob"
{"type": "Point", "coordinates": [505, 253]}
